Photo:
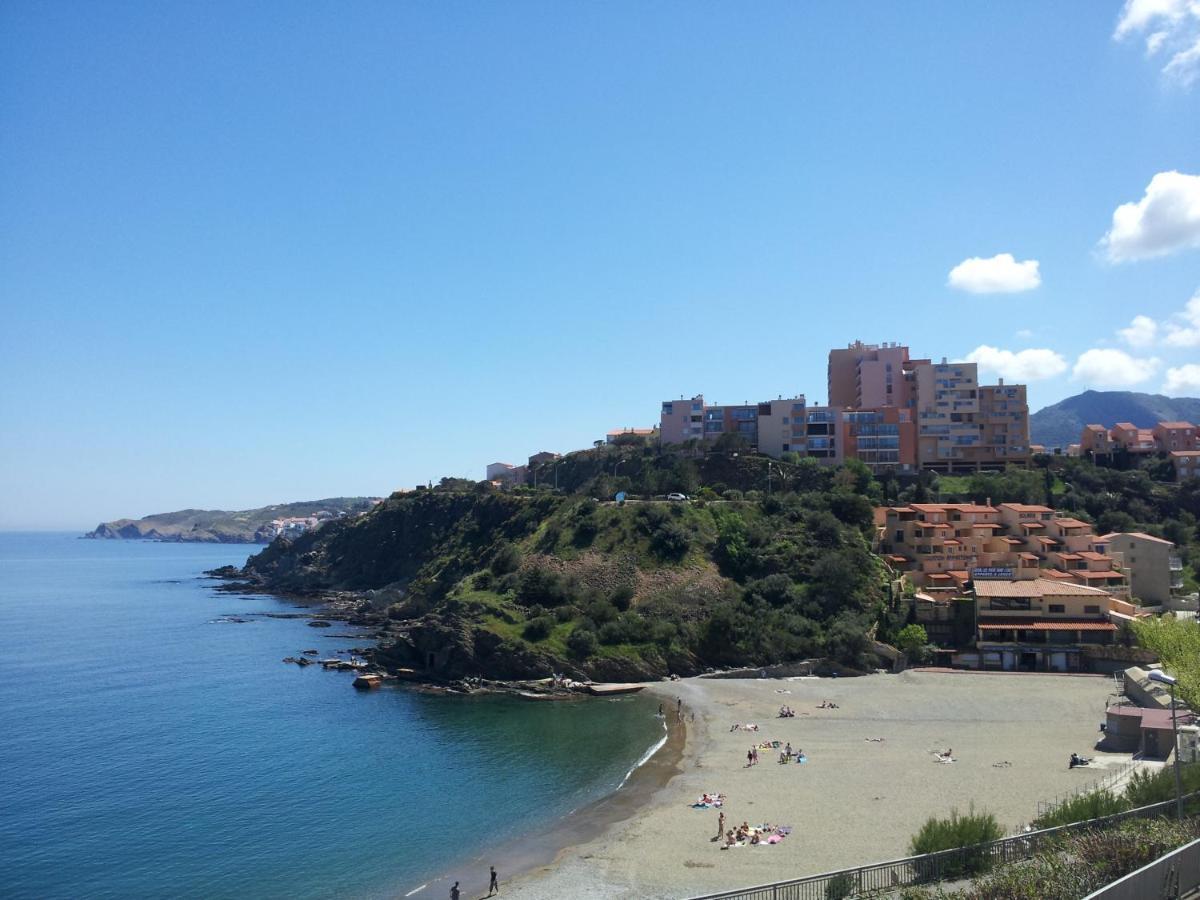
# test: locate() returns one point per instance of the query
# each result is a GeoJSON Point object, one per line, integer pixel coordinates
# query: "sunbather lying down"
{"type": "Point", "coordinates": [709, 801]}
{"type": "Point", "coordinates": [753, 835]}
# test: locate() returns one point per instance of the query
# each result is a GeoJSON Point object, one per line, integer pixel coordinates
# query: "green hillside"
{"type": "Point", "coordinates": [518, 584]}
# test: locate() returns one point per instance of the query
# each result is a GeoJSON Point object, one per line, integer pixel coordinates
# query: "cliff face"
{"type": "Point", "coordinates": [515, 585]}
{"type": "Point", "coordinates": [216, 526]}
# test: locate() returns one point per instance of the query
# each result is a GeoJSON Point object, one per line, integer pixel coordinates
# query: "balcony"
{"type": "Point", "coordinates": [1175, 564]}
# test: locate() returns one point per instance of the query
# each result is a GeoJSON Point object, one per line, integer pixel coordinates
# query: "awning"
{"type": "Point", "coordinates": [1046, 625]}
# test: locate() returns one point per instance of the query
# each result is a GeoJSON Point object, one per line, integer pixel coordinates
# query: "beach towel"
{"type": "Point", "coordinates": [775, 839]}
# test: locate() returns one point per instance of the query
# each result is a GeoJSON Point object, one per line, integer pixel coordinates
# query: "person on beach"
{"type": "Point", "coordinates": [455, 894]}
{"type": "Point", "coordinates": [720, 825]}
{"type": "Point", "coordinates": [749, 757]}
{"type": "Point", "coordinates": [494, 882]}
{"type": "Point", "coordinates": [660, 711]}
{"type": "Point", "coordinates": [754, 750]}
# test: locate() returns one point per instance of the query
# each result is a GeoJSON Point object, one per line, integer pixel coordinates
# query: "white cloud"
{"type": "Point", "coordinates": [1001, 274]}
{"type": "Point", "coordinates": [1185, 330]}
{"type": "Point", "coordinates": [1112, 368]}
{"type": "Point", "coordinates": [1025, 334]}
{"type": "Point", "coordinates": [1021, 366]}
{"type": "Point", "coordinates": [1165, 220]}
{"type": "Point", "coordinates": [1183, 380]}
{"type": "Point", "coordinates": [1172, 27]}
{"type": "Point", "coordinates": [1141, 332]}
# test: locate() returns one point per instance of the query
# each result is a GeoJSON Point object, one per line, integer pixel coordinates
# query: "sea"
{"type": "Point", "coordinates": [153, 746]}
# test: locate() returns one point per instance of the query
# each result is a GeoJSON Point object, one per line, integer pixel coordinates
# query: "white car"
{"type": "Point", "coordinates": [676, 496]}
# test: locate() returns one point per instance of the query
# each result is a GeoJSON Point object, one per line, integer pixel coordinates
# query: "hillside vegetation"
{"type": "Point", "coordinates": [516, 584]}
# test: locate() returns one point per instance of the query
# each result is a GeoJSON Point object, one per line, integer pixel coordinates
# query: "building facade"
{"type": "Point", "coordinates": [1155, 571]}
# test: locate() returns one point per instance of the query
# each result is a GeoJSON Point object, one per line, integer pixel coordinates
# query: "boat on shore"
{"type": "Point", "coordinates": [611, 690]}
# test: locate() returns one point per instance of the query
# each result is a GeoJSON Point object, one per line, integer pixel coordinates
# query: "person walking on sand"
{"type": "Point", "coordinates": [454, 892]}
{"type": "Point", "coordinates": [754, 750]}
{"type": "Point", "coordinates": [494, 883]}
{"type": "Point", "coordinates": [749, 757]}
{"type": "Point", "coordinates": [720, 824]}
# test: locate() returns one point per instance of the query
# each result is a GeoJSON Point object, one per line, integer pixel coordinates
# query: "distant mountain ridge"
{"type": "Point", "coordinates": [1061, 423]}
{"type": "Point", "coordinates": [218, 526]}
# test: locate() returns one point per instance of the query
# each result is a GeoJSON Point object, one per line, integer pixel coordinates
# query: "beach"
{"type": "Point", "coordinates": [856, 800]}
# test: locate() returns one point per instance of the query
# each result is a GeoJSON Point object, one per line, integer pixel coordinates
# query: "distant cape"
{"type": "Point", "coordinates": [218, 526]}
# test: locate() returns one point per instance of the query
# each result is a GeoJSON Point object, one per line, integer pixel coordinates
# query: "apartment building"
{"type": "Point", "coordinates": [1186, 463]}
{"type": "Point", "coordinates": [682, 420]}
{"type": "Point", "coordinates": [886, 409]}
{"type": "Point", "coordinates": [782, 426]}
{"type": "Point", "coordinates": [869, 375]}
{"type": "Point", "coordinates": [1170, 436]}
{"type": "Point", "coordinates": [884, 437]}
{"type": "Point", "coordinates": [1155, 570]}
{"type": "Point", "coordinates": [944, 546]}
{"type": "Point", "coordinates": [1039, 625]}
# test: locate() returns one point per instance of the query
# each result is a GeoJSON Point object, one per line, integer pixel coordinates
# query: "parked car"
{"type": "Point", "coordinates": [676, 496]}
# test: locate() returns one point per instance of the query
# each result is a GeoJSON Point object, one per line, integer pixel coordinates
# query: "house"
{"type": "Point", "coordinates": [1155, 571]}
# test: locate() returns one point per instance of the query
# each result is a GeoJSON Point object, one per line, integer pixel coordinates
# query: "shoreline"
{"type": "Point", "coordinates": [533, 856]}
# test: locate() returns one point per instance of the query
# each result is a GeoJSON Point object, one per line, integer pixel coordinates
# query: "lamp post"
{"type": "Point", "coordinates": [1163, 678]}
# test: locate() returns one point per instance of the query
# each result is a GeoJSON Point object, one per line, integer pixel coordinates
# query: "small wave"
{"type": "Point", "coordinates": [415, 890]}
{"type": "Point", "coordinates": [645, 757]}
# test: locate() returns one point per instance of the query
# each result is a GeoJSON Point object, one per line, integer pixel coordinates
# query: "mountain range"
{"type": "Point", "coordinates": [1060, 424]}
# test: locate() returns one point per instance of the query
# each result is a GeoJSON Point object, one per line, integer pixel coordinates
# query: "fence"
{"type": "Point", "coordinates": [1111, 779]}
{"type": "Point", "coordinates": [881, 879]}
{"type": "Point", "coordinates": [1172, 876]}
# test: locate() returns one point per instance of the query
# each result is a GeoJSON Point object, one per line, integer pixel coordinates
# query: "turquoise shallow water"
{"type": "Point", "coordinates": [148, 751]}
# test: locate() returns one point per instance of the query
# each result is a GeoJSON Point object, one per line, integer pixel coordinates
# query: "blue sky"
{"type": "Point", "coordinates": [263, 252]}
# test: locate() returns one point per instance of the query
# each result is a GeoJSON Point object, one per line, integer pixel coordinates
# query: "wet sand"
{"type": "Point", "coordinates": [855, 801]}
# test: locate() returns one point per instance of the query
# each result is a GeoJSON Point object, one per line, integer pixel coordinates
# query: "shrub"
{"type": "Point", "coordinates": [670, 541]}
{"type": "Point", "coordinates": [839, 887]}
{"type": "Point", "coordinates": [959, 831]}
{"type": "Point", "coordinates": [582, 643]}
{"type": "Point", "coordinates": [912, 638]}
{"type": "Point", "coordinates": [622, 596]}
{"type": "Point", "coordinates": [539, 629]}
{"type": "Point", "coordinates": [507, 558]}
{"type": "Point", "coordinates": [732, 495]}
{"type": "Point", "coordinates": [539, 587]}
{"type": "Point", "coordinates": [1092, 805]}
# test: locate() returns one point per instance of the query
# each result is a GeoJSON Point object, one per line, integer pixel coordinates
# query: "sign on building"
{"type": "Point", "coordinates": [992, 572]}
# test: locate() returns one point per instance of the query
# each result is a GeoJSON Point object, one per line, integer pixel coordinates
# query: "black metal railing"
{"type": "Point", "coordinates": [881, 879]}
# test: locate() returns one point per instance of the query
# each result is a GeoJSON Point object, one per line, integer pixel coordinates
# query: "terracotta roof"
{"type": "Point", "coordinates": [959, 575]}
{"type": "Point", "coordinates": [1176, 425]}
{"type": "Point", "coordinates": [1035, 587]}
{"type": "Point", "coordinates": [1047, 625]}
{"type": "Point", "coordinates": [938, 576]}
{"type": "Point", "coordinates": [1025, 507]}
{"type": "Point", "coordinates": [1185, 454]}
{"type": "Point", "coordinates": [1028, 555]}
{"type": "Point", "coordinates": [1097, 576]}
{"type": "Point", "coordinates": [898, 559]}
{"type": "Point", "coordinates": [1071, 523]}
{"type": "Point", "coordinates": [1012, 540]}
{"type": "Point", "coordinates": [1048, 541]}
{"type": "Point", "coordinates": [924, 523]}
{"type": "Point", "coordinates": [1069, 556]}
{"type": "Point", "coordinates": [951, 541]}
{"type": "Point", "coordinates": [1054, 573]}
{"type": "Point", "coordinates": [1093, 555]}
{"type": "Point", "coordinates": [1032, 525]}
{"type": "Point", "coordinates": [1152, 718]}
{"type": "Point", "coordinates": [1136, 534]}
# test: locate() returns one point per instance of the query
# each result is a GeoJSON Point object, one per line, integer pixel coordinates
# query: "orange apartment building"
{"type": "Point", "coordinates": [1096, 441]}
{"type": "Point", "coordinates": [943, 546]}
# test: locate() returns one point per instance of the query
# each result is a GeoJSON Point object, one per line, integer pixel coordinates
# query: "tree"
{"type": "Point", "coordinates": [912, 638]}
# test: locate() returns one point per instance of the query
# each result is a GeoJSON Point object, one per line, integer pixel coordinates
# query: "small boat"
{"type": "Point", "coordinates": [532, 695]}
{"type": "Point", "coordinates": [610, 690]}
{"type": "Point", "coordinates": [368, 680]}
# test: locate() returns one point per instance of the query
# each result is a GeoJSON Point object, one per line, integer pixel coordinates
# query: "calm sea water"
{"type": "Point", "coordinates": [148, 751]}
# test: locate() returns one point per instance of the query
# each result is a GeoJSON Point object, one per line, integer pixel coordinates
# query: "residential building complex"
{"type": "Point", "coordinates": [1102, 444]}
{"type": "Point", "coordinates": [885, 409]}
{"type": "Point", "coordinates": [946, 546]}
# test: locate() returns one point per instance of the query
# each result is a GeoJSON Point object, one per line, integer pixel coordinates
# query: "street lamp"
{"type": "Point", "coordinates": [1163, 678]}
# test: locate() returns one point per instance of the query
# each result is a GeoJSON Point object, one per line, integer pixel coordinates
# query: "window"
{"type": "Point", "coordinates": [1057, 607]}
{"type": "Point", "coordinates": [1092, 609]}
{"type": "Point", "coordinates": [899, 537]}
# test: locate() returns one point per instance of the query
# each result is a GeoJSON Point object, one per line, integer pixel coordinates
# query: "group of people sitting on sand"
{"type": "Point", "coordinates": [786, 755]}
{"type": "Point", "coordinates": [828, 704]}
{"type": "Point", "coordinates": [786, 712]}
{"type": "Point", "coordinates": [709, 801]}
{"type": "Point", "coordinates": [755, 834]}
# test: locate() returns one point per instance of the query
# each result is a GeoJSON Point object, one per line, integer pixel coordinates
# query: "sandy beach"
{"type": "Point", "coordinates": [856, 800]}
